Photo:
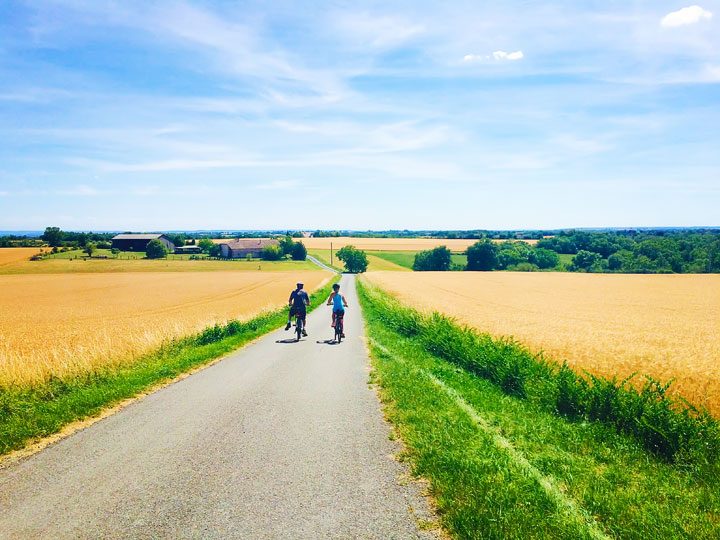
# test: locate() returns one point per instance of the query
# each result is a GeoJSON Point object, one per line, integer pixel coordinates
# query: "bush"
{"type": "Point", "coordinates": [272, 253]}
{"type": "Point", "coordinates": [215, 250]}
{"type": "Point", "coordinates": [286, 245]}
{"type": "Point", "coordinates": [355, 260]}
{"type": "Point", "coordinates": [299, 252]}
{"type": "Point", "coordinates": [206, 245]}
{"type": "Point", "coordinates": [155, 250]}
{"type": "Point", "coordinates": [544, 258]}
{"type": "Point", "coordinates": [482, 256]}
{"type": "Point", "coordinates": [437, 259]}
{"type": "Point", "coordinates": [586, 260]}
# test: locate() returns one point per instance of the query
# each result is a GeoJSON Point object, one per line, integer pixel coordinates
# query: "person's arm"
{"type": "Point", "coordinates": [330, 298]}
{"type": "Point", "coordinates": [307, 299]}
{"type": "Point", "coordinates": [344, 301]}
{"type": "Point", "coordinates": [290, 301]}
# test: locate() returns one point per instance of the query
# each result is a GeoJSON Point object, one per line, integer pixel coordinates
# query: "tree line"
{"type": "Point", "coordinates": [671, 252]}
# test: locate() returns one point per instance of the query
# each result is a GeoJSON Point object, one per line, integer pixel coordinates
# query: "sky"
{"type": "Point", "coordinates": [191, 115]}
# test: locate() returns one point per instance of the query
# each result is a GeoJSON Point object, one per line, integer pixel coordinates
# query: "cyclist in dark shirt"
{"type": "Point", "coordinates": [298, 302]}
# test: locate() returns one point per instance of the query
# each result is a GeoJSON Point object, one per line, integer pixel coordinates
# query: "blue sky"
{"type": "Point", "coordinates": [140, 115]}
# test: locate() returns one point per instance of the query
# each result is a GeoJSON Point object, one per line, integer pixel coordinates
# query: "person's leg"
{"type": "Point", "coordinates": [304, 322]}
{"type": "Point", "coordinates": [289, 322]}
{"type": "Point", "coordinates": [332, 324]}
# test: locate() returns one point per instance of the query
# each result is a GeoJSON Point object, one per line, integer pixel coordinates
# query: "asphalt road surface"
{"type": "Point", "coordinates": [279, 440]}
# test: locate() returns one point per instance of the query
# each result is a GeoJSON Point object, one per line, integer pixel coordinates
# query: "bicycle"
{"type": "Point", "coordinates": [298, 326]}
{"type": "Point", "coordinates": [339, 326]}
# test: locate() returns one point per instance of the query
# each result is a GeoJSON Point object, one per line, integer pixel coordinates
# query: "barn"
{"type": "Point", "coordinates": [242, 247]}
{"type": "Point", "coordinates": [139, 242]}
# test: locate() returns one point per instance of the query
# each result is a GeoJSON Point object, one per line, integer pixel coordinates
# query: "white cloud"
{"type": "Point", "coordinates": [685, 16]}
{"type": "Point", "coordinates": [502, 55]}
{"type": "Point", "coordinates": [498, 56]}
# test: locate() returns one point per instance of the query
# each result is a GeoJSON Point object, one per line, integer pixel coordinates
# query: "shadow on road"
{"type": "Point", "coordinates": [289, 340]}
{"type": "Point", "coordinates": [327, 342]}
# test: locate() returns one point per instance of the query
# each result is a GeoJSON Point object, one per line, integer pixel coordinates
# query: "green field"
{"type": "Point", "coordinates": [374, 262]}
{"type": "Point", "coordinates": [501, 466]}
{"type": "Point", "coordinates": [407, 258]}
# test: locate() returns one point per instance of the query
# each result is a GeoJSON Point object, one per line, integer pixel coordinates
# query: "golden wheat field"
{"type": "Point", "coordinates": [62, 324]}
{"type": "Point", "coordinates": [10, 256]}
{"type": "Point", "coordinates": [666, 326]}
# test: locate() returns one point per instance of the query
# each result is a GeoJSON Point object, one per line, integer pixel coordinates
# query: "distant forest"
{"type": "Point", "coordinates": [652, 252]}
{"type": "Point", "coordinates": [659, 252]}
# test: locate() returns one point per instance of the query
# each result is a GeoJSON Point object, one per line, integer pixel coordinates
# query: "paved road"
{"type": "Point", "coordinates": [279, 440]}
{"type": "Point", "coordinates": [321, 264]}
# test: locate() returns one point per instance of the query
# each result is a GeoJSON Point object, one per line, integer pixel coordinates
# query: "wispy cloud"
{"type": "Point", "coordinates": [277, 185]}
{"type": "Point", "coordinates": [685, 16]}
{"type": "Point", "coordinates": [209, 98]}
{"type": "Point", "coordinates": [498, 56]}
{"type": "Point", "coordinates": [375, 30]}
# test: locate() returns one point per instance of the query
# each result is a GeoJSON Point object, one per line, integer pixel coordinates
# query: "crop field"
{"type": "Point", "coordinates": [12, 256]}
{"type": "Point", "coordinates": [391, 244]}
{"type": "Point", "coordinates": [665, 326]}
{"type": "Point", "coordinates": [66, 324]}
{"type": "Point", "coordinates": [64, 264]}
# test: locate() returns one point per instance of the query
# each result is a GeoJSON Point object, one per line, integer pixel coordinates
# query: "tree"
{"type": "Point", "coordinates": [215, 250]}
{"type": "Point", "coordinates": [53, 236]}
{"type": "Point", "coordinates": [155, 250]}
{"type": "Point", "coordinates": [286, 245]}
{"type": "Point", "coordinates": [482, 255]}
{"type": "Point", "coordinates": [205, 244]}
{"type": "Point", "coordinates": [177, 239]}
{"type": "Point", "coordinates": [586, 260]}
{"type": "Point", "coordinates": [437, 259]}
{"type": "Point", "coordinates": [544, 258]}
{"type": "Point", "coordinates": [355, 260]}
{"type": "Point", "coordinates": [299, 252]}
{"type": "Point", "coordinates": [271, 253]}
{"type": "Point", "coordinates": [90, 249]}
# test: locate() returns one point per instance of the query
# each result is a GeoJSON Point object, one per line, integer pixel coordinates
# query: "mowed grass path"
{"type": "Point", "coordinates": [500, 467]}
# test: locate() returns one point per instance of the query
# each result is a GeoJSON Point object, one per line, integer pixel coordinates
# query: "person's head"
{"type": "Point", "coordinates": [300, 286]}
{"type": "Point", "coordinates": [336, 287]}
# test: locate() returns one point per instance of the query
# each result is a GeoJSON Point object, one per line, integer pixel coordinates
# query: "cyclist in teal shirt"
{"type": "Point", "coordinates": [339, 304]}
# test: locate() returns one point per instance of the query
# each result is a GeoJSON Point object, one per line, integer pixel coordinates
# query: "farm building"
{"type": "Point", "coordinates": [139, 242]}
{"type": "Point", "coordinates": [187, 249]}
{"type": "Point", "coordinates": [242, 247]}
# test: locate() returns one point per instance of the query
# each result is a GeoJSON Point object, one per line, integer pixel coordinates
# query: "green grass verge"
{"type": "Point", "coordinates": [323, 255]}
{"type": "Point", "coordinates": [504, 466]}
{"type": "Point", "coordinates": [28, 413]}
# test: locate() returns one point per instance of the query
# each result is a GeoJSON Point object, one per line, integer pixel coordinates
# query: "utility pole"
{"type": "Point", "coordinates": [331, 259]}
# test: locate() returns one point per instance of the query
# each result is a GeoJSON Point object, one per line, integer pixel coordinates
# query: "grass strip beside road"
{"type": "Point", "coordinates": [501, 466]}
{"type": "Point", "coordinates": [30, 413]}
